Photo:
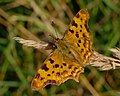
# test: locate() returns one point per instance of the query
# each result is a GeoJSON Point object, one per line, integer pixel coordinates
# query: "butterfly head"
{"type": "Point", "coordinates": [51, 46]}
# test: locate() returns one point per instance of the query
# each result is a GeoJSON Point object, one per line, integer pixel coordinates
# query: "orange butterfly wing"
{"type": "Point", "coordinates": [56, 70]}
{"type": "Point", "coordinates": [79, 36]}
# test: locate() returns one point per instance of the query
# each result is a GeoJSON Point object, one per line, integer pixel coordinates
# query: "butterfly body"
{"type": "Point", "coordinates": [72, 52]}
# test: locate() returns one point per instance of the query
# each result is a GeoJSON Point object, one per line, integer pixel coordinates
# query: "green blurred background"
{"type": "Point", "coordinates": [31, 19]}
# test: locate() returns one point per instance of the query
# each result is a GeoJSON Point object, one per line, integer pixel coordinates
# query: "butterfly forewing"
{"type": "Point", "coordinates": [78, 36]}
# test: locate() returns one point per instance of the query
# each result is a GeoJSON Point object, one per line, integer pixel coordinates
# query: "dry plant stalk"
{"type": "Point", "coordinates": [103, 62]}
{"type": "Point", "coordinates": [99, 61]}
{"type": "Point", "coordinates": [32, 43]}
{"type": "Point", "coordinates": [116, 52]}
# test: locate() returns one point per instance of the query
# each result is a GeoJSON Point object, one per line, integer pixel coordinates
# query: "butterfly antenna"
{"type": "Point", "coordinates": [54, 25]}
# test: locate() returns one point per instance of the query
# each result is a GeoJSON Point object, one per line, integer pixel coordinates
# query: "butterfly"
{"type": "Point", "coordinates": [70, 55]}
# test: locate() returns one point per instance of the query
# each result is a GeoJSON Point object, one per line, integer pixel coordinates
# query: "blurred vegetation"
{"type": "Point", "coordinates": [31, 19]}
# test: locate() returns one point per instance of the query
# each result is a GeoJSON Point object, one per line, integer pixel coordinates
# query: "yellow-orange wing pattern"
{"type": "Point", "coordinates": [56, 70]}
{"type": "Point", "coordinates": [79, 36]}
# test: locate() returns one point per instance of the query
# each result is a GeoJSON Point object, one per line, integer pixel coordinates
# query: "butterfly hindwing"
{"type": "Point", "coordinates": [56, 71]}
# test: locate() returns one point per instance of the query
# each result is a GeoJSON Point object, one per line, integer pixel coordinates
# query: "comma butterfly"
{"type": "Point", "coordinates": [69, 57]}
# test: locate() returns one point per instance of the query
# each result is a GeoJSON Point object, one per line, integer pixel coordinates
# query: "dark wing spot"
{"type": "Point", "coordinates": [64, 64]}
{"type": "Point", "coordinates": [85, 55]}
{"type": "Point", "coordinates": [75, 68]}
{"type": "Point", "coordinates": [80, 30]}
{"type": "Point", "coordinates": [51, 61]}
{"type": "Point", "coordinates": [81, 26]}
{"type": "Point", "coordinates": [42, 78]}
{"type": "Point", "coordinates": [84, 35]}
{"type": "Point", "coordinates": [48, 74]}
{"type": "Point", "coordinates": [79, 41]}
{"type": "Point", "coordinates": [56, 65]}
{"type": "Point", "coordinates": [44, 67]}
{"type": "Point", "coordinates": [77, 15]}
{"type": "Point", "coordinates": [69, 52]}
{"type": "Point", "coordinates": [77, 35]}
{"type": "Point", "coordinates": [86, 26]}
{"type": "Point", "coordinates": [37, 75]}
{"type": "Point", "coordinates": [72, 72]}
{"type": "Point", "coordinates": [71, 31]}
{"type": "Point", "coordinates": [58, 74]}
{"type": "Point", "coordinates": [70, 67]}
{"type": "Point", "coordinates": [78, 44]}
{"type": "Point", "coordinates": [81, 19]}
{"type": "Point", "coordinates": [70, 75]}
{"type": "Point", "coordinates": [84, 44]}
{"type": "Point", "coordinates": [74, 23]}
{"type": "Point", "coordinates": [52, 72]}
{"type": "Point", "coordinates": [78, 72]}
{"type": "Point", "coordinates": [82, 50]}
